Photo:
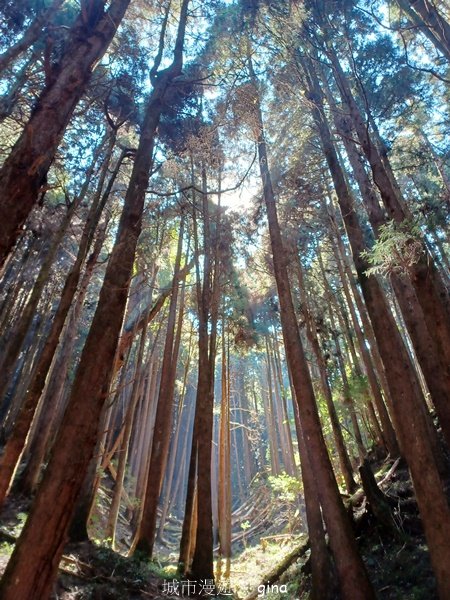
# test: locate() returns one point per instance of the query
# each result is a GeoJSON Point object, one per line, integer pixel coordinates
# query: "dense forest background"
{"type": "Point", "coordinates": [224, 309]}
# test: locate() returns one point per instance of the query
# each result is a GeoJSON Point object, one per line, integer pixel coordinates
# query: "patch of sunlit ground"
{"type": "Point", "coordinates": [249, 568]}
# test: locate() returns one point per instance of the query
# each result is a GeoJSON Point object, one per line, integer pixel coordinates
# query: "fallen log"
{"type": "Point", "coordinates": [283, 566]}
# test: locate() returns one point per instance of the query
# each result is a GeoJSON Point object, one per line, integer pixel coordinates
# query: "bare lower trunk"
{"type": "Point", "coordinates": [161, 434]}
{"type": "Point", "coordinates": [28, 576]}
{"type": "Point", "coordinates": [410, 423]}
{"type": "Point", "coordinates": [344, 460]}
{"type": "Point", "coordinates": [321, 564]}
{"type": "Point", "coordinates": [352, 574]}
{"type": "Point", "coordinates": [16, 441]}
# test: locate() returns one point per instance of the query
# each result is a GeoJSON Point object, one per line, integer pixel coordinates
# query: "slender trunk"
{"type": "Point", "coordinates": [52, 410]}
{"type": "Point", "coordinates": [270, 416]}
{"type": "Point", "coordinates": [25, 170]}
{"type": "Point", "coordinates": [344, 460]}
{"type": "Point", "coordinates": [8, 101]}
{"type": "Point", "coordinates": [321, 564]}
{"type": "Point", "coordinates": [33, 32]}
{"type": "Point", "coordinates": [224, 479]}
{"type": "Point", "coordinates": [348, 400]}
{"type": "Point", "coordinates": [174, 450]}
{"type": "Point", "coordinates": [387, 432]}
{"type": "Point", "coordinates": [435, 371]}
{"type": "Point", "coordinates": [283, 418]}
{"type": "Point", "coordinates": [161, 434]}
{"type": "Point", "coordinates": [431, 291]}
{"type": "Point", "coordinates": [16, 441]}
{"type": "Point", "coordinates": [428, 15]}
{"type": "Point", "coordinates": [123, 454]}
{"type": "Point", "coordinates": [21, 328]}
{"type": "Point", "coordinates": [410, 423]}
{"type": "Point", "coordinates": [30, 576]}
{"type": "Point", "coordinates": [352, 574]}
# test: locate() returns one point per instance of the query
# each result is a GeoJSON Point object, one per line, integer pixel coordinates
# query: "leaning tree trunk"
{"type": "Point", "coordinates": [125, 441]}
{"type": "Point", "coordinates": [388, 432]}
{"type": "Point", "coordinates": [425, 14]}
{"type": "Point", "coordinates": [344, 459]}
{"type": "Point", "coordinates": [431, 290]}
{"type": "Point", "coordinates": [161, 433]}
{"type": "Point", "coordinates": [22, 326]}
{"type": "Point", "coordinates": [30, 575]}
{"type": "Point", "coordinates": [321, 563]}
{"type": "Point", "coordinates": [352, 574]}
{"type": "Point", "coordinates": [9, 100]}
{"type": "Point", "coordinates": [16, 441]}
{"type": "Point", "coordinates": [33, 32]}
{"type": "Point", "coordinates": [435, 370]}
{"type": "Point", "coordinates": [54, 393]}
{"type": "Point", "coordinates": [409, 419]}
{"type": "Point", "coordinates": [25, 170]}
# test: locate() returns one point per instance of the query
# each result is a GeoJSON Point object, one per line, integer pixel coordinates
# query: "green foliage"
{"type": "Point", "coordinates": [6, 549]}
{"type": "Point", "coordinates": [396, 250]}
{"type": "Point", "coordinates": [359, 387]}
{"type": "Point", "coordinates": [285, 487]}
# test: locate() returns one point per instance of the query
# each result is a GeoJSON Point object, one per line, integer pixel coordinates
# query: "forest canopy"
{"type": "Point", "coordinates": [224, 299]}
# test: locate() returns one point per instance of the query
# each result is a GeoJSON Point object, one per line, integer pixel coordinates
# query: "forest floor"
{"type": "Point", "coordinates": [397, 560]}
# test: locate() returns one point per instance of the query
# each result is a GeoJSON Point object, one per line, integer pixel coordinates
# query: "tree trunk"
{"type": "Point", "coordinates": [123, 454]}
{"type": "Point", "coordinates": [344, 460]}
{"type": "Point", "coordinates": [434, 21]}
{"type": "Point", "coordinates": [224, 479]}
{"type": "Point", "coordinates": [436, 373]}
{"type": "Point", "coordinates": [21, 328]}
{"type": "Point", "coordinates": [428, 284]}
{"type": "Point", "coordinates": [409, 420]}
{"type": "Point", "coordinates": [28, 576]}
{"type": "Point", "coordinates": [321, 564]}
{"type": "Point", "coordinates": [161, 433]}
{"type": "Point", "coordinates": [25, 170]}
{"type": "Point", "coordinates": [33, 32]}
{"type": "Point", "coordinates": [53, 401]}
{"type": "Point", "coordinates": [352, 574]}
{"type": "Point", "coordinates": [16, 441]}
{"type": "Point", "coordinates": [388, 432]}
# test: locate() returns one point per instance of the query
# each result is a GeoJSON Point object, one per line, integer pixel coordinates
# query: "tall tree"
{"type": "Point", "coordinates": [25, 170]}
{"type": "Point", "coordinates": [25, 576]}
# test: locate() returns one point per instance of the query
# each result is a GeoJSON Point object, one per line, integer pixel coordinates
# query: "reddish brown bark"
{"type": "Point", "coordinates": [431, 290]}
{"type": "Point", "coordinates": [321, 564]}
{"type": "Point", "coordinates": [388, 432]}
{"type": "Point", "coordinates": [53, 405]}
{"type": "Point", "coordinates": [138, 380]}
{"type": "Point", "coordinates": [344, 460]}
{"type": "Point", "coordinates": [224, 460]}
{"type": "Point", "coordinates": [24, 171]}
{"type": "Point", "coordinates": [352, 574]}
{"type": "Point", "coordinates": [409, 419]}
{"type": "Point", "coordinates": [16, 441]}
{"type": "Point", "coordinates": [161, 434]}
{"type": "Point", "coordinates": [435, 370]}
{"type": "Point", "coordinates": [28, 576]}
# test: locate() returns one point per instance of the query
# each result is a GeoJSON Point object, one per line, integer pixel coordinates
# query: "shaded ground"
{"type": "Point", "coordinates": [398, 562]}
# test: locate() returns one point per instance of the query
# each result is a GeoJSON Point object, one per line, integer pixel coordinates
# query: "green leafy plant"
{"type": "Point", "coordinates": [396, 250]}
